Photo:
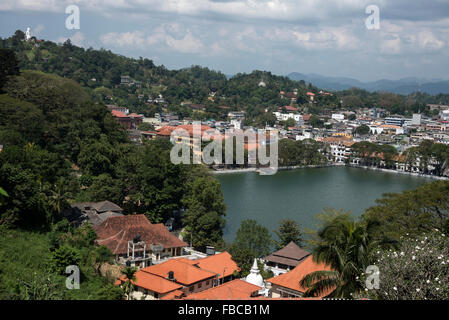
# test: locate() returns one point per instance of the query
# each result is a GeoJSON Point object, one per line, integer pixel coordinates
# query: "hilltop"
{"type": "Point", "coordinates": [146, 88]}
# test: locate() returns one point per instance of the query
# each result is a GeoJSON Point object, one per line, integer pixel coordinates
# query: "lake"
{"type": "Point", "coordinates": [301, 194]}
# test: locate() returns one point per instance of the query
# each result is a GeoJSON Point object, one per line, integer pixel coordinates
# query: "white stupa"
{"type": "Point", "coordinates": [254, 277]}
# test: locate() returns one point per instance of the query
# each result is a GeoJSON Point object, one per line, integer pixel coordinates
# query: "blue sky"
{"type": "Point", "coordinates": [327, 37]}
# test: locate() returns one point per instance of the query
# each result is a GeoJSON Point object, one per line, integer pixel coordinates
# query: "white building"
{"type": "Point", "coordinates": [237, 123]}
{"type": "Point", "coordinates": [285, 116]}
{"type": "Point", "coordinates": [445, 115]}
{"type": "Point", "coordinates": [338, 116]}
{"type": "Point", "coordinates": [305, 135]}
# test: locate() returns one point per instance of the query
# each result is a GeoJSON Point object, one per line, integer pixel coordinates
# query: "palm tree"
{"type": "Point", "coordinates": [130, 277]}
{"type": "Point", "coordinates": [346, 246]}
{"type": "Point", "coordinates": [59, 196]}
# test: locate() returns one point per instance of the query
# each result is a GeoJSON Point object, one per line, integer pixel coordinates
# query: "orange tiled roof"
{"type": "Point", "coordinates": [219, 263]}
{"type": "Point", "coordinates": [167, 130]}
{"type": "Point", "coordinates": [343, 140]}
{"type": "Point", "coordinates": [233, 290]}
{"type": "Point", "coordinates": [177, 294]}
{"type": "Point", "coordinates": [115, 232]}
{"type": "Point", "coordinates": [292, 278]}
{"type": "Point", "coordinates": [390, 126]}
{"type": "Point", "coordinates": [184, 272]}
{"type": "Point", "coordinates": [118, 114]}
{"type": "Point", "coordinates": [152, 282]}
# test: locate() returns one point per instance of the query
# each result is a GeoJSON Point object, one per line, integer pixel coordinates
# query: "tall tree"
{"type": "Point", "coordinates": [288, 231]}
{"type": "Point", "coordinates": [346, 246]}
{"type": "Point", "coordinates": [8, 66]}
{"type": "Point", "coordinates": [130, 278]}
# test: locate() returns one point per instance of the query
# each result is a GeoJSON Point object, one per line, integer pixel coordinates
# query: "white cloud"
{"type": "Point", "coordinates": [427, 40]}
{"type": "Point", "coordinates": [124, 39]}
{"type": "Point", "coordinates": [38, 29]}
{"type": "Point", "coordinates": [161, 36]}
{"type": "Point", "coordinates": [77, 39]}
{"type": "Point", "coordinates": [188, 44]}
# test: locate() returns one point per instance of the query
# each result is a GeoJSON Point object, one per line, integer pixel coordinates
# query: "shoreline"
{"type": "Point", "coordinates": [415, 174]}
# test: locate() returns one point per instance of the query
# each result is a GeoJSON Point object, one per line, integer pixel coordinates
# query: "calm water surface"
{"type": "Point", "coordinates": [301, 194]}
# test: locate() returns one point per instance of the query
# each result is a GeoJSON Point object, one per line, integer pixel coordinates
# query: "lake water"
{"type": "Point", "coordinates": [301, 194]}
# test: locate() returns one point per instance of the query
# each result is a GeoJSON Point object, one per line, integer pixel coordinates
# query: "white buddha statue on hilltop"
{"type": "Point", "coordinates": [28, 34]}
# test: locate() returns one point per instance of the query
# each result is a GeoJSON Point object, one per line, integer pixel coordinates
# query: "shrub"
{"type": "Point", "coordinates": [418, 270]}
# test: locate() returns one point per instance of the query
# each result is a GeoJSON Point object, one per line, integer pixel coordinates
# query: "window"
{"type": "Point", "coordinates": [191, 288]}
{"type": "Point", "coordinates": [200, 285]}
{"type": "Point", "coordinates": [207, 282]}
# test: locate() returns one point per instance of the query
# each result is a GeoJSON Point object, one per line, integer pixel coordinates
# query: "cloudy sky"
{"type": "Point", "coordinates": [327, 37]}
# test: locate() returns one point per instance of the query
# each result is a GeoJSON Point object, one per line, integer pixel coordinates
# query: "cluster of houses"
{"type": "Point", "coordinates": [169, 269]}
{"type": "Point", "coordinates": [338, 132]}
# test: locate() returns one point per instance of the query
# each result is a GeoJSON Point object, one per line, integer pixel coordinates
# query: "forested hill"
{"type": "Point", "coordinates": [100, 72]}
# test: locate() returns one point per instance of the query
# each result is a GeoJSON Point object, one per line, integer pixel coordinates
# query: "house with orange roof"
{"type": "Point", "coordinates": [191, 278]}
{"type": "Point", "coordinates": [129, 121]}
{"type": "Point", "coordinates": [152, 287]}
{"type": "Point", "coordinates": [340, 147]}
{"type": "Point", "coordinates": [311, 96]}
{"type": "Point", "coordinates": [287, 285]}
{"type": "Point", "coordinates": [180, 277]}
{"type": "Point", "coordinates": [221, 264]}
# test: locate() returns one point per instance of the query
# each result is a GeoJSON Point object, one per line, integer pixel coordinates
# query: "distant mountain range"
{"type": "Point", "coordinates": [403, 86]}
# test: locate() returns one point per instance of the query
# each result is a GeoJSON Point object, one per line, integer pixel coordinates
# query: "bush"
{"type": "Point", "coordinates": [418, 270]}
{"type": "Point", "coordinates": [63, 257]}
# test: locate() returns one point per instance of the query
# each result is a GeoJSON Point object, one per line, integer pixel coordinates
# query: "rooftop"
{"type": "Point", "coordinates": [152, 282]}
{"type": "Point", "coordinates": [183, 272]}
{"type": "Point", "coordinates": [291, 279]}
{"type": "Point", "coordinates": [115, 232]}
{"type": "Point", "coordinates": [290, 255]}
{"type": "Point", "coordinates": [233, 290]}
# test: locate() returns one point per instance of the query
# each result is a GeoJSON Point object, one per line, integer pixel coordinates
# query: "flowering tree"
{"type": "Point", "coordinates": [419, 270]}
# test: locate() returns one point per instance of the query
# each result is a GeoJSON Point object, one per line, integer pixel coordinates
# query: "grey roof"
{"type": "Point", "coordinates": [105, 206]}
{"type": "Point", "coordinates": [93, 212]}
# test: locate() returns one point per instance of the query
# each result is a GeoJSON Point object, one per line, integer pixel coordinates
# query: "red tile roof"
{"type": "Point", "coordinates": [292, 278]}
{"type": "Point", "coordinates": [167, 130]}
{"type": "Point", "coordinates": [220, 263]}
{"type": "Point", "coordinates": [118, 114]}
{"type": "Point", "coordinates": [115, 232]}
{"type": "Point", "coordinates": [288, 108]}
{"type": "Point", "coordinates": [233, 290]}
{"type": "Point", "coordinates": [183, 272]}
{"type": "Point", "coordinates": [152, 282]}
{"type": "Point", "coordinates": [177, 294]}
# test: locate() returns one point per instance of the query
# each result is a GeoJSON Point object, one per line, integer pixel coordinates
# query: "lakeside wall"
{"type": "Point", "coordinates": [224, 171]}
